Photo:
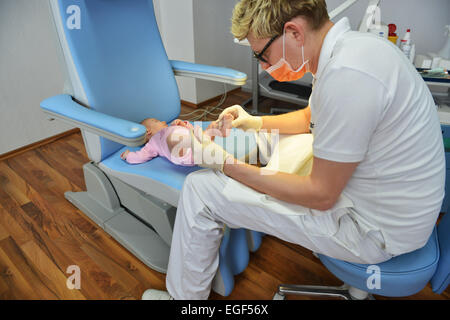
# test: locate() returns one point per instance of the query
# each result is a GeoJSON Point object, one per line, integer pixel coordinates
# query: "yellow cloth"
{"type": "Point", "coordinates": [291, 154]}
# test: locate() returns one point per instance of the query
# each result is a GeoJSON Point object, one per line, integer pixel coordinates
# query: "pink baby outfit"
{"type": "Point", "coordinates": [157, 146]}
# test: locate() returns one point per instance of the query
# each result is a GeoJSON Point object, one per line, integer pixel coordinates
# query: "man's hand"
{"type": "Point", "coordinates": [242, 119]}
{"type": "Point", "coordinates": [206, 153]}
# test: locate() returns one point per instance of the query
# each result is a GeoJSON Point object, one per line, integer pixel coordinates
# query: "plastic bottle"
{"type": "Point", "coordinates": [405, 44]}
{"type": "Point", "coordinates": [407, 36]}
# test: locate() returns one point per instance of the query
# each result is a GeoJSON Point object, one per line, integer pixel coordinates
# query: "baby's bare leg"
{"type": "Point", "coordinates": [213, 130]}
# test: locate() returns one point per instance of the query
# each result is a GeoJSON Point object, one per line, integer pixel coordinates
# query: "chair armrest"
{"type": "Point", "coordinates": [213, 73]}
{"type": "Point", "coordinates": [125, 132]}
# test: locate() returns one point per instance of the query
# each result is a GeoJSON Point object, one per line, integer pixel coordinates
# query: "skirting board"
{"type": "Point", "coordinates": [37, 144]}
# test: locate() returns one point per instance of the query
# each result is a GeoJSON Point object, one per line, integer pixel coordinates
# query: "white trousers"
{"type": "Point", "coordinates": [203, 211]}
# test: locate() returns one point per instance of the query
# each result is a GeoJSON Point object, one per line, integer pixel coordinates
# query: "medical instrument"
{"type": "Point", "coordinates": [120, 74]}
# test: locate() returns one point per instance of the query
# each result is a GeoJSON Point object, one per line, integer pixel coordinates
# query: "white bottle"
{"type": "Point", "coordinates": [445, 51]}
{"type": "Point", "coordinates": [405, 44]}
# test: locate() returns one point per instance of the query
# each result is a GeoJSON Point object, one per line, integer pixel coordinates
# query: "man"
{"type": "Point", "coordinates": [377, 140]}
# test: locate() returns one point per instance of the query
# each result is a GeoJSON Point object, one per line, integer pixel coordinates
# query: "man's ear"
{"type": "Point", "coordinates": [296, 29]}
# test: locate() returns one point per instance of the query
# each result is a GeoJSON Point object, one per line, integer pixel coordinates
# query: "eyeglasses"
{"type": "Point", "coordinates": [259, 55]}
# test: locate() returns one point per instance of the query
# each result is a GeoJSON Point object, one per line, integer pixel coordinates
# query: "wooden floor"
{"type": "Point", "coordinates": [42, 234]}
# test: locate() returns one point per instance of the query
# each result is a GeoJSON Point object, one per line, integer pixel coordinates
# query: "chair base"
{"type": "Point", "coordinates": [344, 292]}
{"type": "Point", "coordinates": [146, 232]}
{"type": "Point", "coordinates": [101, 204]}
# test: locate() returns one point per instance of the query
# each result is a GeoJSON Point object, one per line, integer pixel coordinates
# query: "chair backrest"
{"type": "Point", "coordinates": [116, 62]}
{"type": "Point", "coordinates": [441, 278]}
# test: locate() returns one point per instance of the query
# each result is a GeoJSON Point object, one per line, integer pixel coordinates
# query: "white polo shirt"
{"type": "Point", "coordinates": [369, 105]}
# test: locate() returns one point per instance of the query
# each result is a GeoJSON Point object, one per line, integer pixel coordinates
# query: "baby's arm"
{"type": "Point", "coordinates": [140, 156]}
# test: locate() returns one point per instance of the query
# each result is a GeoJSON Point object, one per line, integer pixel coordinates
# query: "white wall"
{"type": "Point", "coordinates": [214, 43]}
{"type": "Point", "coordinates": [29, 73]}
{"type": "Point", "coordinates": [175, 22]}
{"type": "Point", "coordinates": [199, 31]}
{"type": "Point", "coordinates": [425, 18]}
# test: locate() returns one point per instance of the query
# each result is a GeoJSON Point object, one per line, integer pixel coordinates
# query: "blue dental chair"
{"type": "Point", "coordinates": [400, 276]}
{"type": "Point", "coordinates": [120, 75]}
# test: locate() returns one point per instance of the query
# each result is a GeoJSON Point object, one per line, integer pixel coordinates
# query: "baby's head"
{"type": "Point", "coordinates": [153, 126]}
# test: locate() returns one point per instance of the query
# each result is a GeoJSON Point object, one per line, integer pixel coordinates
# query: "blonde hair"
{"type": "Point", "coordinates": [266, 18]}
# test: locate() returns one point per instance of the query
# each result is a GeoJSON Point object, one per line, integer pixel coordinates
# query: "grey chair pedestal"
{"type": "Point", "coordinates": [103, 203]}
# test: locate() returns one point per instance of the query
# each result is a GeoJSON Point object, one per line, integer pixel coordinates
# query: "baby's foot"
{"type": "Point", "coordinates": [225, 125]}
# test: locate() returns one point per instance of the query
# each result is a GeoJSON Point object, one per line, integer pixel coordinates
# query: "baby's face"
{"type": "Point", "coordinates": [153, 126]}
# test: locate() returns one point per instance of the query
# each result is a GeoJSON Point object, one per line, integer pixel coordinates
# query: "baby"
{"type": "Point", "coordinates": [173, 142]}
